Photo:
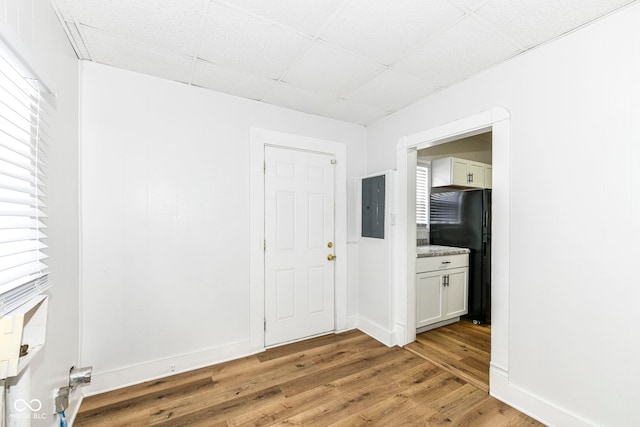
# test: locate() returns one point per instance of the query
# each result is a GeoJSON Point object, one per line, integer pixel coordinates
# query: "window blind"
{"type": "Point", "coordinates": [422, 195]}
{"type": "Point", "coordinates": [24, 117]}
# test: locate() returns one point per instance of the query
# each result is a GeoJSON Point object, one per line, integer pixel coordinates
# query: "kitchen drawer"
{"type": "Point", "coordinates": [441, 262]}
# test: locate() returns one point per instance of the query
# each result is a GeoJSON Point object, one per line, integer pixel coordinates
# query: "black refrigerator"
{"type": "Point", "coordinates": [462, 218]}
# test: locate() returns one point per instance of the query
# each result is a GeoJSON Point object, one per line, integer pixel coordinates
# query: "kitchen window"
{"type": "Point", "coordinates": [422, 195]}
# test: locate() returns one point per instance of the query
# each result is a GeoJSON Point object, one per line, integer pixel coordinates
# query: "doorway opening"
{"type": "Point", "coordinates": [453, 209]}
{"type": "Point", "coordinates": [496, 121]}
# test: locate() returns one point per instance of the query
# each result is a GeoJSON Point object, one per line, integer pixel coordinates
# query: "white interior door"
{"type": "Point", "coordinates": [299, 242]}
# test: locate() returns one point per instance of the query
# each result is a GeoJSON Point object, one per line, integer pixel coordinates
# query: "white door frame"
{"type": "Point", "coordinates": [257, 140]}
{"type": "Point", "coordinates": [496, 120]}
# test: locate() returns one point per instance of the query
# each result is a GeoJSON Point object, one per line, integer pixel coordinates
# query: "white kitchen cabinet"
{"type": "Point", "coordinates": [441, 289]}
{"type": "Point", "coordinates": [450, 171]}
{"type": "Point", "coordinates": [488, 177]}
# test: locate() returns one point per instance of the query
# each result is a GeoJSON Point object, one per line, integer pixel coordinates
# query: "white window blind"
{"type": "Point", "coordinates": [422, 195]}
{"type": "Point", "coordinates": [23, 172]}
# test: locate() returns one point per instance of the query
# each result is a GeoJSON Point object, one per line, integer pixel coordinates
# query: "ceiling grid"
{"type": "Point", "coordinates": [352, 60]}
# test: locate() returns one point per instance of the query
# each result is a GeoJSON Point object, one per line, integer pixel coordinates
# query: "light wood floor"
{"type": "Point", "coordinates": [462, 348]}
{"type": "Point", "coordinates": [347, 379]}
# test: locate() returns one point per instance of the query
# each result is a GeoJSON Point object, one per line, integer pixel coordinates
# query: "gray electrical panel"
{"type": "Point", "coordinates": [373, 207]}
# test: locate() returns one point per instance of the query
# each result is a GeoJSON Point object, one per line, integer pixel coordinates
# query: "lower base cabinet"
{"type": "Point", "coordinates": [442, 292]}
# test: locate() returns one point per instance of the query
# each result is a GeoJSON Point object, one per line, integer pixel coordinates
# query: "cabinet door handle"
{"type": "Point", "coordinates": [471, 177]}
{"type": "Point", "coordinates": [446, 262]}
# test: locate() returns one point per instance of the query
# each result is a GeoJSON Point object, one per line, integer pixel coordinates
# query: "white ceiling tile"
{"type": "Point", "coordinates": [391, 91]}
{"type": "Point", "coordinates": [353, 112]}
{"type": "Point", "coordinates": [253, 48]}
{"type": "Point", "coordinates": [387, 30]}
{"type": "Point", "coordinates": [286, 95]}
{"type": "Point", "coordinates": [532, 22]}
{"type": "Point", "coordinates": [307, 16]}
{"type": "Point", "coordinates": [469, 4]}
{"type": "Point", "coordinates": [130, 55]}
{"type": "Point", "coordinates": [169, 24]}
{"type": "Point", "coordinates": [461, 51]}
{"type": "Point", "coordinates": [211, 76]}
{"type": "Point", "coordinates": [330, 71]}
{"type": "Point", "coordinates": [61, 5]}
{"type": "Point", "coordinates": [242, 42]}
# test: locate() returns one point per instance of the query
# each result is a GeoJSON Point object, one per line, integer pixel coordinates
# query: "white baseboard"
{"type": "Point", "coordinates": [437, 325]}
{"type": "Point", "coordinates": [376, 331]}
{"type": "Point", "coordinates": [75, 400]}
{"type": "Point", "coordinates": [399, 335]}
{"type": "Point", "coordinates": [106, 381]}
{"type": "Point", "coordinates": [530, 404]}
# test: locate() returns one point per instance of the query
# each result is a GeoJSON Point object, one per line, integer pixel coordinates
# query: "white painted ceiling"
{"type": "Point", "coordinates": [353, 60]}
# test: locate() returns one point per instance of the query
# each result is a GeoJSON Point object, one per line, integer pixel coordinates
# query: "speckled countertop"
{"type": "Point", "coordinates": [435, 250]}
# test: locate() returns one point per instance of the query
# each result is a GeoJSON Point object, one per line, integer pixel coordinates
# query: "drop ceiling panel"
{"type": "Point", "coordinates": [353, 112]}
{"type": "Point", "coordinates": [469, 4]}
{"type": "Point", "coordinates": [211, 76]}
{"type": "Point", "coordinates": [289, 96]}
{"type": "Point", "coordinates": [354, 60]}
{"type": "Point", "coordinates": [330, 71]}
{"type": "Point", "coordinates": [130, 55]}
{"type": "Point", "coordinates": [461, 51]}
{"type": "Point", "coordinates": [534, 22]}
{"type": "Point", "coordinates": [385, 33]}
{"type": "Point", "coordinates": [305, 16]}
{"type": "Point", "coordinates": [392, 90]}
{"type": "Point", "coordinates": [242, 42]}
{"type": "Point", "coordinates": [169, 24]}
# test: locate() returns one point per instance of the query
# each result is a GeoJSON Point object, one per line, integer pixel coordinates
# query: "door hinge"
{"type": "Point", "coordinates": [334, 161]}
{"type": "Point", "coordinates": [264, 245]}
{"type": "Point", "coordinates": [265, 325]}
{"type": "Point", "coordinates": [264, 167]}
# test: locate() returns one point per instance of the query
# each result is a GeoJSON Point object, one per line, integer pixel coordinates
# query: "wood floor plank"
{"type": "Point", "coordinates": [347, 405]}
{"type": "Point", "coordinates": [479, 338]}
{"type": "Point", "coordinates": [221, 411]}
{"type": "Point", "coordinates": [302, 363]}
{"type": "Point", "coordinates": [461, 348]}
{"type": "Point", "coordinates": [107, 410]}
{"type": "Point", "coordinates": [448, 362]}
{"type": "Point", "coordinates": [277, 412]}
{"type": "Point", "coordinates": [455, 345]}
{"type": "Point", "coordinates": [343, 380]}
{"type": "Point", "coordinates": [287, 349]}
{"type": "Point", "coordinates": [368, 378]}
{"type": "Point", "coordinates": [148, 387]}
{"type": "Point", "coordinates": [376, 355]}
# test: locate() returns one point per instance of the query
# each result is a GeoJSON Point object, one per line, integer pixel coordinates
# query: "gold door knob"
{"type": "Point", "coordinates": [331, 257]}
{"type": "Point", "coordinates": [330, 244]}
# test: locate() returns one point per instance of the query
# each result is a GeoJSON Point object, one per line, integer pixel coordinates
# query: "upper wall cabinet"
{"type": "Point", "coordinates": [452, 171]}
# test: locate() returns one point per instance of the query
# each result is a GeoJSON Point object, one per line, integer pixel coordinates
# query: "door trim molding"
{"type": "Point", "coordinates": [257, 140]}
{"type": "Point", "coordinates": [498, 121]}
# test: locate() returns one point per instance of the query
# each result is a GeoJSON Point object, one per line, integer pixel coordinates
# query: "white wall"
{"type": "Point", "coordinates": [165, 221]}
{"type": "Point", "coordinates": [35, 27]}
{"type": "Point", "coordinates": [376, 316]}
{"type": "Point", "coordinates": [575, 181]}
